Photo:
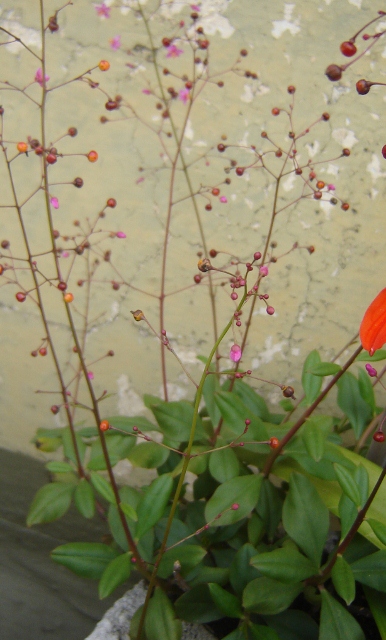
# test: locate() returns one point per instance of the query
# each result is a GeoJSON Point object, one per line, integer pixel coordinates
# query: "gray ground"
{"type": "Point", "coordinates": [39, 599]}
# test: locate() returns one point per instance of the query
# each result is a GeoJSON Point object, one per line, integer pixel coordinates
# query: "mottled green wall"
{"type": "Point", "coordinates": [319, 299]}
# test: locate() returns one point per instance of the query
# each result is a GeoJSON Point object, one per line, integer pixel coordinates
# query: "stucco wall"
{"type": "Point", "coordinates": [319, 299]}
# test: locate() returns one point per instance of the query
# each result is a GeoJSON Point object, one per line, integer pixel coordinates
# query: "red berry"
{"type": "Point", "coordinates": [62, 286]}
{"type": "Point", "coordinates": [239, 171]}
{"type": "Point", "coordinates": [104, 425]}
{"type": "Point", "coordinates": [345, 206]}
{"type": "Point", "coordinates": [291, 89]}
{"type": "Point", "coordinates": [288, 392]}
{"type": "Point", "coordinates": [275, 111]}
{"type": "Point", "coordinates": [384, 151]}
{"type": "Point", "coordinates": [334, 72]}
{"type": "Point", "coordinates": [213, 253]}
{"type": "Point", "coordinates": [221, 147]}
{"type": "Point", "coordinates": [208, 207]}
{"type": "Point", "coordinates": [39, 151]}
{"type": "Point", "coordinates": [325, 116]}
{"type": "Point", "coordinates": [20, 296]}
{"type": "Point", "coordinates": [378, 436]}
{"type": "Point", "coordinates": [278, 153]}
{"type": "Point", "coordinates": [197, 278]}
{"type": "Point", "coordinates": [166, 42]}
{"type": "Point", "coordinates": [346, 152]}
{"type": "Point", "coordinates": [1, 269]}
{"type": "Point", "coordinates": [111, 105]}
{"type": "Point", "coordinates": [72, 132]}
{"type": "Point", "coordinates": [92, 156]}
{"type": "Point", "coordinates": [5, 244]}
{"type": "Point", "coordinates": [215, 191]}
{"type": "Point", "coordinates": [270, 311]}
{"type": "Point", "coordinates": [235, 506]}
{"type": "Point", "coordinates": [363, 87]}
{"type": "Point", "coordinates": [317, 195]}
{"type": "Point", "coordinates": [243, 52]}
{"type": "Point", "coordinates": [311, 249]}
{"type": "Point", "coordinates": [51, 158]}
{"type": "Point", "coordinates": [348, 48]}
{"type": "Point", "coordinates": [257, 255]}
{"type": "Point", "coordinates": [34, 354]}
{"type": "Point", "coordinates": [112, 203]}
{"type": "Point", "coordinates": [43, 351]}
{"type": "Point", "coordinates": [55, 409]}
{"type": "Point", "coordinates": [110, 353]}
{"type": "Point", "coordinates": [52, 24]}
{"type": "Point", "coordinates": [274, 443]}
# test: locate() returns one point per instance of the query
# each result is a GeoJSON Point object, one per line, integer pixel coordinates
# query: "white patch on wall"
{"type": "Point", "coordinates": [129, 402]}
{"type": "Point", "coordinates": [210, 17]}
{"type": "Point", "coordinates": [375, 116]}
{"type": "Point", "coordinates": [333, 169]}
{"type": "Point", "coordinates": [175, 392]}
{"type": "Point", "coordinates": [356, 3]}
{"type": "Point", "coordinates": [302, 314]}
{"type": "Point", "coordinates": [287, 24]}
{"type": "Point", "coordinates": [187, 356]}
{"type": "Point", "coordinates": [374, 168]}
{"type": "Point", "coordinates": [30, 37]}
{"type": "Point", "coordinates": [114, 311]}
{"type": "Point", "coordinates": [269, 353]}
{"type": "Point", "coordinates": [189, 133]}
{"type": "Point", "coordinates": [247, 96]}
{"type": "Point", "coordinates": [288, 185]}
{"type": "Point", "coordinates": [337, 92]}
{"type": "Point", "coordinates": [326, 207]}
{"type": "Point", "coordinates": [345, 137]}
{"type": "Point", "coordinates": [313, 148]}
{"type": "Point", "coordinates": [249, 203]}
{"type": "Point", "coordinates": [374, 193]}
{"type": "Point", "coordinates": [295, 351]}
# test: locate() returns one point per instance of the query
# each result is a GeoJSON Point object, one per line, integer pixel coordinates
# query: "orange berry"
{"type": "Point", "coordinates": [104, 425]}
{"type": "Point", "coordinates": [92, 156]}
{"type": "Point", "coordinates": [320, 184]}
{"type": "Point", "coordinates": [22, 147]}
{"type": "Point", "coordinates": [274, 443]}
{"type": "Point", "coordinates": [104, 65]}
{"type": "Point", "coordinates": [68, 297]}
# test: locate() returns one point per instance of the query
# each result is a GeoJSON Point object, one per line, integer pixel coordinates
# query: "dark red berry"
{"type": "Point", "coordinates": [166, 42]}
{"type": "Point", "coordinates": [5, 244]}
{"type": "Point", "coordinates": [110, 353]}
{"type": "Point", "coordinates": [55, 409]}
{"type": "Point", "coordinates": [275, 111]}
{"type": "Point", "coordinates": [34, 354]}
{"type": "Point", "coordinates": [78, 182]}
{"type": "Point", "coordinates": [288, 392]}
{"type": "Point", "coordinates": [39, 151]}
{"type": "Point", "coordinates": [62, 286]}
{"type": "Point", "coordinates": [325, 116]}
{"type": "Point", "coordinates": [53, 24]}
{"type": "Point", "coordinates": [291, 89]}
{"type": "Point", "coordinates": [111, 105]}
{"type": "Point", "coordinates": [348, 48]}
{"type": "Point", "coordinates": [345, 206]}
{"type": "Point", "coordinates": [112, 203]}
{"type": "Point", "coordinates": [384, 151]}
{"type": "Point", "coordinates": [56, 234]}
{"type": "Point", "coordinates": [213, 253]}
{"type": "Point", "coordinates": [363, 87]}
{"type": "Point", "coordinates": [208, 207]}
{"type": "Point", "coordinates": [51, 158]}
{"type": "Point", "coordinates": [221, 147]}
{"type": "Point", "coordinates": [239, 171]}
{"type": "Point", "coordinates": [243, 52]}
{"type": "Point", "coordinates": [346, 152]}
{"type": "Point", "coordinates": [220, 84]}
{"type": "Point", "coordinates": [215, 191]}
{"type": "Point", "coordinates": [72, 132]}
{"type": "Point", "coordinates": [317, 195]}
{"type": "Point", "coordinates": [379, 436]}
{"type": "Point", "coordinates": [20, 296]}
{"type": "Point", "coordinates": [334, 72]}
{"type": "Point", "coordinates": [197, 278]}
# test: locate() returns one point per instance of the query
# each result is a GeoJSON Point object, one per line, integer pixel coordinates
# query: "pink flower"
{"type": "Point", "coordinates": [115, 43]}
{"type": "Point", "coordinates": [39, 77]}
{"type": "Point", "coordinates": [263, 271]}
{"type": "Point", "coordinates": [147, 92]}
{"type": "Point", "coordinates": [120, 234]}
{"type": "Point", "coordinates": [173, 51]}
{"type": "Point", "coordinates": [223, 199]}
{"type": "Point", "coordinates": [90, 375]}
{"type": "Point", "coordinates": [184, 95]}
{"type": "Point", "coordinates": [139, 180]}
{"type": "Point", "coordinates": [371, 371]}
{"type": "Point", "coordinates": [54, 203]}
{"type": "Point", "coordinates": [331, 187]}
{"type": "Point", "coordinates": [235, 353]}
{"type": "Point", "coordinates": [102, 10]}
{"type": "Point", "coordinates": [195, 7]}
{"type": "Point", "coordinates": [64, 254]}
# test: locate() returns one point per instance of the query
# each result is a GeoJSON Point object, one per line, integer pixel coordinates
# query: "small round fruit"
{"type": "Point", "coordinates": [384, 151]}
{"type": "Point", "coordinates": [68, 297]}
{"type": "Point", "coordinates": [215, 191]}
{"type": "Point", "coordinates": [334, 72]}
{"type": "Point", "coordinates": [111, 202]}
{"type": "Point", "coordinates": [239, 171]}
{"type": "Point", "coordinates": [345, 206]}
{"type": "Point", "coordinates": [274, 443]}
{"type": "Point", "coordinates": [221, 147]}
{"type": "Point", "coordinates": [197, 278]}
{"type": "Point", "coordinates": [104, 65]}
{"type": "Point", "coordinates": [92, 156]}
{"type": "Point", "coordinates": [43, 351]}
{"type": "Point", "coordinates": [20, 296]}
{"type": "Point", "coordinates": [291, 89]}
{"type": "Point", "coordinates": [111, 105]}
{"type": "Point", "coordinates": [78, 183]}
{"type": "Point", "coordinates": [208, 207]}
{"type": "Point", "coordinates": [320, 184]}
{"type": "Point", "coordinates": [213, 253]}
{"type": "Point", "coordinates": [55, 409]}
{"type": "Point", "coordinates": [363, 87]}
{"type": "Point", "coordinates": [348, 48]}
{"type": "Point", "coordinates": [275, 111]}
{"type": "Point", "coordinates": [22, 147]}
{"type": "Point", "coordinates": [62, 286]}
{"type": "Point", "coordinates": [379, 436]}
{"type": "Point", "coordinates": [51, 158]}
{"type": "Point", "coordinates": [104, 425]}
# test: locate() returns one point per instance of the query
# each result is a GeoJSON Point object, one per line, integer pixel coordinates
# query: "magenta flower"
{"type": "Point", "coordinates": [173, 51]}
{"type": "Point", "coordinates": [263, 271]}
{"type": "Point", "coordinates": [147, 92]}
{"type": "Point", "coordinates": [223, 199]}
{"type": "Point", "coordinates": [371, 371]}
{"type": "Point", "coordinates": [120, 234]}
{"type": "Point", "coordinates": [139, 180]}
{"type": "Point", "coordinates": [90, 375]}
{"type": "Point", "coordinates": [331, 187]}
{"type": "Point", "coordinates": [102, 10]}
{"type": "Point", "coordinates": [184, 95]}
{"type": "Point", "coordinates": [115, 43]}
{"type": "Point", "coordinates": [54, 203]}
{"type": "Point", "coordinates": [64, 254]}
{"type": "Point", "coordinates": [39, 77]}
{"type": "Point", "coordinates": [195, 7]}
{"type": "Point", "coordinates": [235, 353]}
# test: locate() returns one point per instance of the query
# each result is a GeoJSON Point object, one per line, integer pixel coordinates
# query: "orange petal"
{"type": "Point", "coordinates": [372, 331]}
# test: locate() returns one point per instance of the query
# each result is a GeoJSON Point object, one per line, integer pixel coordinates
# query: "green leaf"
{"type": "Point", "coordinates": [336, 623]}
{"type": "Point", "coordinates": [148, 455]}
{"type": "Point", "coordinates": [294, 625]}
{"type": "Point", "coordinates": [324, 369]}
{"type": "Point", "coordinates": [223, 464]}
{"type": "Point", "coordinates": [197, 606]}
{"type": "Point", "coordinates": [243, 490]}
{"type": "Point", "coordinates": [84, 498]}
{"type": "Point", "coordinates": [366, 390]}
{"type": "Point", "coordinates": [59, 467]}
{"type": "Point", "coordinates": [86, 559]}
{"type": "Point", "coordinates": [348, 484]}
{"type": "Point", "coordinates": [352, 404]}
{"type": "Point", "coordinates": [311, 384]}
{"type": "Point", "coordinates": [225, 601]}
{"type": "Point", "coordinates": [152, 505]}
{"type": "Point", "coordinates": [68, 446]}
{"type": "Point", "coordinates": [125, 423]}
{"type": "Point", "coordinates": [102, 486]}
{"type": "Point", "coordinates": [260, 632]}
{"type": "Point", "coordinates": [377, 603]}
{"type": "Point", "coordinates": [241, 572]}
{"type": "Point", "coordinates": [116, 572]}
{"type": "Point", "coordinates": [343, 580]}
{"type": "Point", "coordinates": [305, 518]}
{"type": "Point", "coordinates": [255, 403]}
{"type": "Point", "coordinates": [161, 622]}
{"type": "Point", "coordinates": [50, 503]}
{"type": "Point", "coordinates": [379, 529]}
{"type": "Point", "coordinates": [347, 513]}
{"type": "Point", "coordinates": [203, 575]}
{"type": "Point", "coordinates": [234, 413]}
{"type": "Point", "coordinates": [380, 354]}
{"type": "Point", "coordinates": [118, 448]}
{"type": "Point", "coordinates": [129, 511]}
{"type": "Point", "coordinates": [314, 440]}
{"type": "Point", "coordinates": [270, 507]}
{"type": "Point", "coordinates": [175, 420]}
{"type": "Point", "coordinates": [267, 596]}
{"type": "Point", "coordinates": [286, 565]}
{"type": "Point", "coordinates": [371, 570]}
{"type": "Point", "coordinates": [211, 387]}
{"type": "Point", "coordinates": [188, 555]}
